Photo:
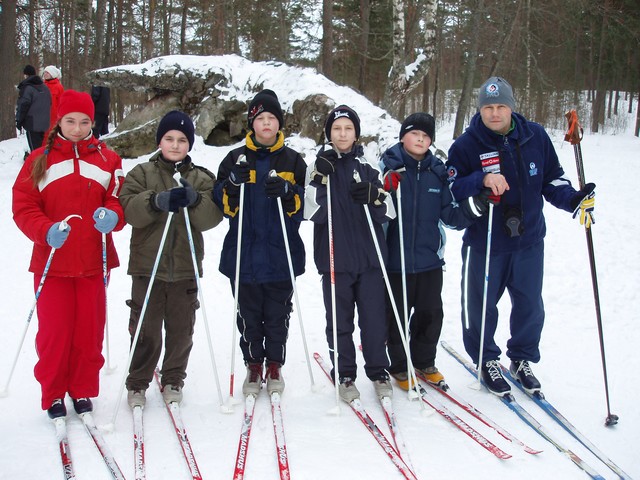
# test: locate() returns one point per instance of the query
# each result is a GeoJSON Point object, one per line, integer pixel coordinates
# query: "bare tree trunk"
{"type": "Point", "coordinates": [183, 30]}
{"type": "Point", "coordinates": [108, 41]}
{"type": "Point", "coordinates": [597, 112]}
{"type": "Point", "coordinates": [469, 70]}
{"type": "Point", "coordinates": [7, 80]}
{"type": "Point", "coordinates": [150, 33]}
{"type": "Point", "coordinates": [403, 78]}
{"type": "Point", "coordinates": [98, 28]}
{"type": "Point", "coordinates": [365, 12]}
{"type": "Point", "coordinates": [87, 37]}
{"type": "Point", "coordinates": [327, 38]}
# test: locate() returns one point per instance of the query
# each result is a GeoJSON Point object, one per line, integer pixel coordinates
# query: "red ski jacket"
{"type": "Point", "coordinates": [80, 178]}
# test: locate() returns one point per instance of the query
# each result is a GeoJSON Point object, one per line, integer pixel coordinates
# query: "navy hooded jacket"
{"type": "Point", "coordinates": [528, 161]}
{"type": "Point", "coordinates": [427, 205]}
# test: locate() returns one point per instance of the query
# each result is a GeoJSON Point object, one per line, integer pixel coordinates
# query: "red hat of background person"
{"type": "Point", "coordinates": [72, 101]}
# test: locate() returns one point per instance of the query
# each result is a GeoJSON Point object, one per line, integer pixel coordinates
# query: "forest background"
{"type": "Point", "coordinates": [404, 55]}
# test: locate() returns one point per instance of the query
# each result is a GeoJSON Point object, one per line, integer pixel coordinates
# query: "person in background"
{"type": "Point", "coordinates": [73, 174]}
{"type": "Point", "coordinates": [515, 158]}
{"type": "Point", "coordinates": [51, 76]}
{"type": "Point", "coordinates": [150, 192]}
{"type": "Point", "coordinates": [33, 108]}
{"type": "Point", "coordinates": [427, 206]}
{"type": "Point", "coordinates": [358, 270]}
{"type": "Point", "coordinates": [101, 97]}
{"type": "Point", "coordinates": [270, 170]}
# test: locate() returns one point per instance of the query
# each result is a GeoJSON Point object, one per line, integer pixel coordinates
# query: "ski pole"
{"type": "Point", "coordinates": [334, 314]}
{"type": "Point", "coordinates": [411, 371]}
{"type": "Point", "coordinates": [187, 221]}
{"type": "Point", "coordinates": [405, 306]}
{"type": "Point", "coordinates": [485, 293]}
{"type": "Point", "coordinates": [574, 136]}
{"type": "Point", "coordinates": [134, 342]}
{"type": "Point", "coordinates": [287, 247]}
{"type": "Point", "coordinates": [236, 291]}
{"type": "Point", "coordinates": [105, 276]}
{"type": "Point", "coordinates": [63, 225]}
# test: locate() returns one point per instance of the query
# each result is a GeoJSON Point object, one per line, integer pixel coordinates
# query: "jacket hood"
{"type": "Point", "coordinates": [397, 157]}
{"type": "Point", "coordinates": [32, 80]}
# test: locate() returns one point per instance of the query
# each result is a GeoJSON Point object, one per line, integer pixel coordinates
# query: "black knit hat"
{"type": "Point", "coordinates": [29, 70]}
{"type": "Point", "coordinates": [419, 121]}
{"type": "Point", "coordinates": [265, 101]}
{"type": "Point", "coordinates": [339, 112]}
{"type": "Point", "coordinates": [176, 120]}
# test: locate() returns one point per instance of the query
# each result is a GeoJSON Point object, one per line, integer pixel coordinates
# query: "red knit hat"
{"type": "Point", "coordinates": [72, 101]}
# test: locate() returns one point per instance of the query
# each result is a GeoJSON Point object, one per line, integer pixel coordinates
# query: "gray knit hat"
{"type": "Point", "coordinates": [496, 90]}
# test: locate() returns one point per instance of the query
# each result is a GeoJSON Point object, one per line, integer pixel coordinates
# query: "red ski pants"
{"type": "Point", "coordinates": [71, 318]}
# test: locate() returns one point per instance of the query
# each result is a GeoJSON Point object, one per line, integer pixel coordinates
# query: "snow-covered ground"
{"type": "Point", "coordinates": [322, 445]}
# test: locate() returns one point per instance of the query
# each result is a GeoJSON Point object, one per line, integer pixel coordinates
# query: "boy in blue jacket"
{"type": "Point", "coordinates": [515, 158]}
{"type": "Point", "coordinates": [265, 289]}
{"type": "Point", "coordinates": [358, 279]}
{"type": "Point", "coordinates": [427, 206]}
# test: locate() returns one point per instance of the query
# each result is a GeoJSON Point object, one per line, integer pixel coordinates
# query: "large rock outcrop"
{"type": "Point", "coordinates": [215, 92]}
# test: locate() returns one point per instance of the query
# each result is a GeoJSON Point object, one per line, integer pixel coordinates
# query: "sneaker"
{"type": "Point", "coordinates": [521, 371]}
{"type": "Point", "coordinates": [383, 388]}
{"type": "Point", "coordinates": [347, 390]}
{"type": "Point", "coordinates": [136, 398]}
{"type": "Point", "coordinates": [253, 381]}
{"type": "Point", "coordinates": [402, 380]}
{"type": "Point", "coordinates": [275, 382]}
{"type": "Point", "coordinates": [431, 375]}
{"type": "Point", "coordinates": [493, 379]}
{"type": "Point", "coordinates": [57, 409]}
{"type": "Point", "coordinates": [82, 405]}
{"type": "Point", "coordinates": [172, 393]}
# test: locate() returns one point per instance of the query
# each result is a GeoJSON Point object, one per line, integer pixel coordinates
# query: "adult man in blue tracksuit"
{"type": "Point", "coordinates": [514, 157]}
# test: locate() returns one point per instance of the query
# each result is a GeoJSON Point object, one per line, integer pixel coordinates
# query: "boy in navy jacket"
{"type": "Point", "coordinates": [265, 289]}
{"type": "Point", "coordinates": [427, 206]}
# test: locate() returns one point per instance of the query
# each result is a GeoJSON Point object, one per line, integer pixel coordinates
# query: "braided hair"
{"type": "Point", "coordinates": [39, 165]}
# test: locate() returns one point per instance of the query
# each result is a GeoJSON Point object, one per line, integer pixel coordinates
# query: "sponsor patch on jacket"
{"type": "Point", "coordinates": [533, 170]}
{"type": "Point", "coordinates": [490, 162]}
{"type": "Point", "coordinates": [434, 190]}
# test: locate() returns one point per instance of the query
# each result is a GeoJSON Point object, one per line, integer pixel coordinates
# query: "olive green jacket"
{"type": "Point", "coordinates": [141, 183]}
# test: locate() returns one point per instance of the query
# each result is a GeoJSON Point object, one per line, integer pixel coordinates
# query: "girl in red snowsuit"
{"type": "Point", "coordinates": [73, 174]}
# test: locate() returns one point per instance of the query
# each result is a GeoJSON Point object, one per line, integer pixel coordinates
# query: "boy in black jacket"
{"type": "Point", "coordinates": [358, 274]}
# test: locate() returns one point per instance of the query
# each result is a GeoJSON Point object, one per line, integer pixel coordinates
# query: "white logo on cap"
{"type": "Point", "coordinates": [492, 90]}
{"type": "Point", "coordinates": [339, 114]}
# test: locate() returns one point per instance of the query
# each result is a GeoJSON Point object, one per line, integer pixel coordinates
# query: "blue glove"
{"type": "Point", "coordinates": [106, 220]}
{"type": "Point", "coordinates": [191, 194]}
{"type": "Point", "coordinates": [55, 236]}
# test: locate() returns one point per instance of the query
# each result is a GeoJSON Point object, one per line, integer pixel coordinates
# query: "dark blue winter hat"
{"type": "Point", "coordinates": [419, 121]}
{"type": "Point", "coordinates": [496, 90]}
{"type": "Point", "coordinates": [339, 112]}
{"type": "Point", "coordinates": [176, 120]}
{"type": "Point", "coordinates": [29, 70]}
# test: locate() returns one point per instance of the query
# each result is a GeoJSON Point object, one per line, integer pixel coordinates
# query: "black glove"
{"type": "Point", "coordinates": [477, 206]}
{"type": "Point", "coordinates": [175, 198]}
{"type": "Point", "coordinates": [366, 192]}
{"type": "Point", "coordinates": [241, 173]}
{"type": "Point", "coordinates": [326, 162]}
{"type": "Point", "coordinates": [581, 195]}
{"type": "Point", "coordinates": [277, 186]}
